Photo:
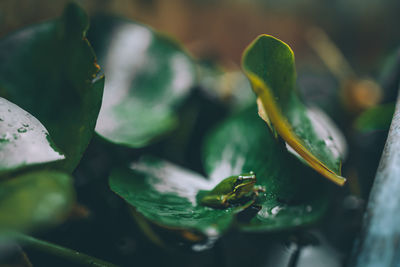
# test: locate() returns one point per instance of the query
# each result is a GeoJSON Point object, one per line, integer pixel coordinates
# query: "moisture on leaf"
{"type": "Point", "coordinates": [269, 65]}
{"type": "Point", "coordinates": [171, 196]}
{"type": "Point", "coordinates": [50, 70]}
{"type": "Point", "coordinates": [167, 195]}
{"type": "Point", "coordinates": [293, 195]}
{"type": "Point", "coordinates": [24, 141]}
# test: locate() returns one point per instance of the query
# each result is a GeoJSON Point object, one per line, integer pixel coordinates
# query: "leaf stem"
{"type": "Point", "coordinates": [294, 258]}
{"type": "Point", "coordinates": [62, 252]}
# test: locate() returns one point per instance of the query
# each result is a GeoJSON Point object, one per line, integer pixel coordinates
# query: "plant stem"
{"type": "Point", "coordinates": [62, 252]}
{"type": "Point", "coordinates": [294, 257]}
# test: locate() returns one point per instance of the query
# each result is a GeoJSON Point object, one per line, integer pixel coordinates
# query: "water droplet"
{"type": "Point", "coordinates": [275, 210]}
{"type": "Point", "coordinates": [5, 137]}
{"type": "Point", "coordinates": [25, 125]}
{"type": "Point", "coordinates": [15, 136]}
{"type": "Point", "coordinates": [9, 110]}
{"type": "Point", "coordinates": [263, 213]}
{"type": "Point", "coordinates": [22, 130]}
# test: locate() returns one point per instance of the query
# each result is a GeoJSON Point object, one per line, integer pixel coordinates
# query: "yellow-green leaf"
{"type": "Point", "coordinates": [269, 65]}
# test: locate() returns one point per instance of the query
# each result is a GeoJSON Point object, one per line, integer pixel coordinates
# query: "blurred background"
{"type": "Point", "coordinates": [345, 52]}
{"type": "Point", "coordinates": [365, 30]}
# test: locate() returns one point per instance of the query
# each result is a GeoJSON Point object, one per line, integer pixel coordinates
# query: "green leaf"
{"type": "Point", "coordinates": [269, 65]}
{"type": "Point", "coordinates": [376, 118]}
{"type": "Point", "coordinates": [50, 70]}
{"type": "Point", "coordinates": [35, 200]}
{"type": "Point", "coordinates": [23, 139]}
{"type": "Point", "coordinates": [294, 196]}
{"type": "Point", "coordinates": [168, 195]}
{"type": "Point", "coordinates": [148, 76]}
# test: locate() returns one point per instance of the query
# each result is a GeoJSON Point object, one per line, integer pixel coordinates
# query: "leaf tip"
{"type": "Point", "coordinates": [264, 38]}
{"type": "Point", "coordinates": [75, 19]}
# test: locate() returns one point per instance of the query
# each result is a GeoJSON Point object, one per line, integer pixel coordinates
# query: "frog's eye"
{"type": "Point", "coordinates": [250, 176]}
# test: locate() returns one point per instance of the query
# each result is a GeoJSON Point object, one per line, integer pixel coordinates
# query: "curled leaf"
{"type": "Point", "coordinates": [269, 65]}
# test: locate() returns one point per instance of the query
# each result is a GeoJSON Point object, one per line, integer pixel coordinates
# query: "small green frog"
{"type": "Point", "coordinates": [232, 190]}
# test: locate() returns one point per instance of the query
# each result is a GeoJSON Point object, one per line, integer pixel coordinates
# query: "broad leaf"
{"type": "Point", "coordinates": [269, 65]}
{"type": "Point", "coordinates": [148, 75]}
{"type": "Point", "coordinates": [23, 139]}
{"type": "Point", "coordinates": [35, 200]}
{"type": "Point", "coordinates": [376, 118]}
{"type": "Point", "coordinates": [293, 197]}
{"type": "Point", "coordinates": [169, 195]}
{"type": "Point", "coordinates": [50, 70]}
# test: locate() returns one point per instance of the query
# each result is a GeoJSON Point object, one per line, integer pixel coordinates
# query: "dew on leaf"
{"type": "Point", "coordinates": [5, 138]}
{"type": "Point", "coordinates": [275, 210]}
{"type": "Point", "coordinates": [22, 130]}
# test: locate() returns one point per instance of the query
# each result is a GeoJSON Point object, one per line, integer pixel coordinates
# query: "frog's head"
{"type": "Point", "coordinates": [244, 183]}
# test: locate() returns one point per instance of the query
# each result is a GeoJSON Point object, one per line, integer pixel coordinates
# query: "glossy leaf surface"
{"type": "Point", "coordinates": [35, 199]}
{"type": "Point", "coordinates": [293, 197]}
{"type": "Point", "coordinates": [50, 70]}
{"type": "Point", "coordinates": [148, 76]}
{"type": "Point", "coordinates": [23, 139]}
{"type": "Point", "coordinates": [169, 195]}
{"type": "Point", "coordinates": [269, 65]}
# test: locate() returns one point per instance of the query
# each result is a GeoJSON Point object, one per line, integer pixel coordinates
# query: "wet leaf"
{"type": "Point", "coordinates": [50, 70]}
{"type": "Point", "coordinates": [35, 200]}
{"type": "Point", "coordinates": [169, 195]}
{"type": "Point", "coordinates": [24, 141]}
{"type": "Point", "coordinates": [294, 196]}
{"type": "Point", "coordinates": [148, 76]}
{"type": "Point", "coordinates": [269, 65]}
